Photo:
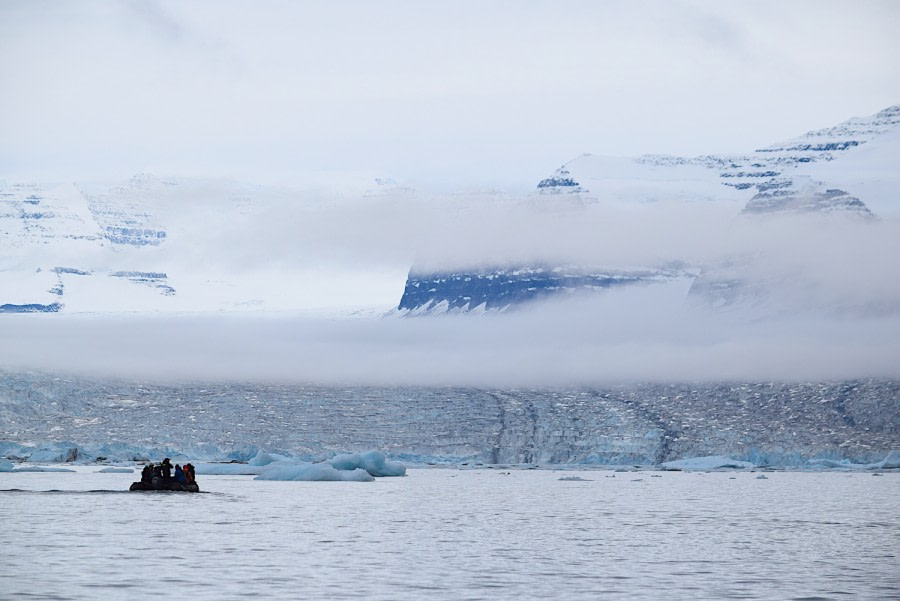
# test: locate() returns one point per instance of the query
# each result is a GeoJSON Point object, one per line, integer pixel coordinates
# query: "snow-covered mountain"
{"type": "Point", "coordinates": [57, 238]}
{"type": "Point", "coordinates": [164, 244]}
{"type": "Point", "coordinates": [852, 167]}
{"type": "Point", "coordinates": [155, 244]}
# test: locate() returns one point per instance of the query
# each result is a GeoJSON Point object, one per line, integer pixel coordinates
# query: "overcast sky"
{"type": "Point", "coordinates": [443, 95]}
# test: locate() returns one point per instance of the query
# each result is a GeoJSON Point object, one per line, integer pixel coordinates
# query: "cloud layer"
{"type": "Point", "coordinates": [450, 94]}
{"type": "Point", "coordinates": [824, 301]}
{"type": "Point", "coordinates": [623, 338]}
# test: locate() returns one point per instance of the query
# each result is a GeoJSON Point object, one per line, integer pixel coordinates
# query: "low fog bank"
{"type": "Point", "coordinates": [261, 241]}
{"type": "Point", "coordinates": [575, 342]}
{"type": "Point", "coordinates": [809, 261]}
{"type": "Point", "coordinates": [812, 297]}
{"type": "Point", "coordinates": [471, 230]}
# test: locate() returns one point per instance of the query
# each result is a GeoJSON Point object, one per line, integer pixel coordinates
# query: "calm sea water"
{"type": "Point", "coordinates": [453, 534]}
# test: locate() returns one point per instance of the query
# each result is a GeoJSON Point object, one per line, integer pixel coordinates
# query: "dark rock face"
{"type": "Point", "coordinates": [134, 236]}
{"type": "Point", "coordinates": [122, 218]}
{"type": "Point", "coordinates": [825, 147]}
{"type": "Point", "coordinates": [786, 198]}
{"type": "Point", "coordinates": [501, 288]}
{"type": "Point", "coordinates": [559, 181]}
{"type": "Point", "coordinates": [30, 308]}
{"type": "Point", "coordinates": [152, 279]}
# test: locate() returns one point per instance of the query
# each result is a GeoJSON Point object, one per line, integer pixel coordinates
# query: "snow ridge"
{"type": "Point", "coordinates": [771, 179]}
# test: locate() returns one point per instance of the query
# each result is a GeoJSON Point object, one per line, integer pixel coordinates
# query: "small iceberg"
{"type": "Point", "coordinates": [116, 470]}
{"type": "Point", "coordinates": [349, 467]}
{"type": "Point", "coordinates": [313, 472]}
{"type": "Point", "coordinates": [41, 468]}
{"type": "Point", "coordinates": [373, 462]}
{"type": "Point", "coordinates": [6, 465]}
{"type": "Point", "coordinates": [573, 479]}
{"type": "Point", "coordinates": [263, 458]}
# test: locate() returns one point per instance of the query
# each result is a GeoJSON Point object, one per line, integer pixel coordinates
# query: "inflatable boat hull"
{"type": "Point", "coordinates": [159, 485]}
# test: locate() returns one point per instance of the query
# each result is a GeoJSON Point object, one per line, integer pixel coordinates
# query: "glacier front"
{"type": "Point", "coordinates": [764, 423]}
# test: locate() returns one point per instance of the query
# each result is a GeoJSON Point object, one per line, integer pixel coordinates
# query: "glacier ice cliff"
{"type": "Point", "coordinates": [775, 424]}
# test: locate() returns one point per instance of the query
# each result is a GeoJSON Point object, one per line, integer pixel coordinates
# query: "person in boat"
{"type": "Point", "coordinates": [147, 474]}
{"type": "Point", "coordinates": [180, 478]}
{"type": "Point", "coordinates": [161, 479]}
{"type": "Point", "coordinates": [189, 473]}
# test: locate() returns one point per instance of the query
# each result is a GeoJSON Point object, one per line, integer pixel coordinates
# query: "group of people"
{"type": "Point", "coordinates": [160, 476]}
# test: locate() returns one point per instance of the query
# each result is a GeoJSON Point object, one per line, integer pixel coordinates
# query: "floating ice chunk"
{"type": "Point", "coordinates": [263, 458]}
{"type": "Point", "coordinates": [40, 468]}
{"type": "Point", "coordinates": [711, 462]}
{"type": "Point", "coordinates": [6, 465]}
{"type": "Point", "coordinates": [374, 462]}
{"type": "Point", "coordinates": [116, 470]}
{"type": "Point", "coordinates": [572, 479]}
{"type": "Point", "coordinates": [313, 472]}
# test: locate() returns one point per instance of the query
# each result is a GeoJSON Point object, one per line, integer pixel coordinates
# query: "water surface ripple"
{"type": "Point", "coordinates": [455, 534]}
